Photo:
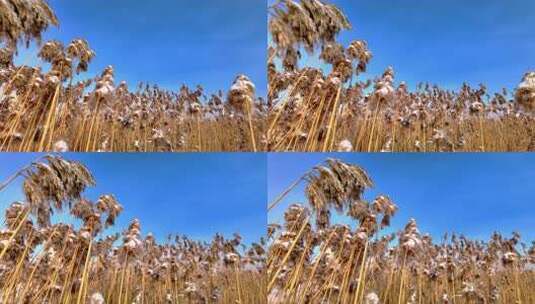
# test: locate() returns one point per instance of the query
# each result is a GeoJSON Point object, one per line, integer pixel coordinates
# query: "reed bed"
{"type": "Point", "coordinates": [314, 260]}
{"type": "Point", "coordinates": [334, 109]}
{"type": "Point", "coordinates": [52, 107]}
{"type": "Point", "coordinates": [45, 260]}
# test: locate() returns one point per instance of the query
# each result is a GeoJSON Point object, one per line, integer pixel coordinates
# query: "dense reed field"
{"type": "Point", "coordinates": [314, 260]}
{"type": "Point", "coordinates": [315, 109]}
{"type": "Point", "coordinates": [45, 260]}
{"type": "Point", "coordinates": [57, 109]}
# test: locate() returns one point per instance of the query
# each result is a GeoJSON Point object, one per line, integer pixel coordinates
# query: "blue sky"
{"type": "Point", "coordinates": [196, 194]}
{"type": "Point", "coordinates": [474, 194]}
{"type": "Point", "coordinates": [170, 43]}
{"type": "Point", "coordinates": [445, 42]}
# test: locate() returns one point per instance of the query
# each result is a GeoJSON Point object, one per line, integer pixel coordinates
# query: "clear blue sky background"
{"type": "Point", "coordinates": [196, 194]}
{"type": "Point", "coordinates": [474, 194]}
{"type": "Point", "coordinates": [169, 43]}
{"type": "Point", "coordinates": [445, 42]}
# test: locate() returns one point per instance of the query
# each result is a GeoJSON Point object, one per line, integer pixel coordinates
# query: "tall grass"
{"type": "Point", "coordinates": [56, 109]}
{"type": "Point", "coordinates": [333, 109]}
{"type": "Point", "coordinates": [314, 260]}
{"type": "Point", "coordinates": [45, 262]}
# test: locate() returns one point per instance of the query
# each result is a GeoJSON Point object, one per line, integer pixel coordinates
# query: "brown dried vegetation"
{"type": "Point", "coordinates": [311, 260]}
{"type": "Point", "coordinates": [46, 110]}
{"type": "Point", "coordinates": [314, 110]}
{"type": "Point", "coordinates": [42, 261]}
